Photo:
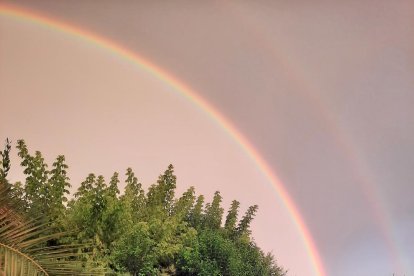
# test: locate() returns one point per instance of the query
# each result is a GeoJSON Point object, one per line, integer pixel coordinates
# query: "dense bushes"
{"type": "Point", "coordinates": [138, 232]}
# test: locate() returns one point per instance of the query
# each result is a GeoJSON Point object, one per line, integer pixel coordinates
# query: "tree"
{"type": "Point", "coordinates": [134, 253]}
{"type": "Point", "coordinates": [98, 216]}
{"type": "Point", "coordinates": [58, 189]}
{"type": "Point", "coordinates": [113, 185]}
{"type": "Point", "coordinates": [196, 214]}
{"type": "Point", "coordinates": [160, 196]}
{"type": "Point", "coordinates": [231, 219]}
{"type": "Point", "coordinates": [214, 213]}
{"type": "Point", "coordinates": [36, 188]}
{"type": "Point", "coordinates": [244, 224]}
{"type": "Point", "coordinates": [151, 233]}
{"type": "Point", "coordinates": [5, 161]}
{"type": "Point", "coordinates": [86, 186]}
{"type": "Point", "coordinates": [23, 241]}
{"type": "Point", "coordinates": [184, 204]}
{"type": "Point", "coordinates": [22, 250]}
{"type": "Point", "coordinates": [134, 197]}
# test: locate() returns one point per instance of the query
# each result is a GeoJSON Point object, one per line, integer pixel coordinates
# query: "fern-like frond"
{"type": "Point", "coordinates": [23, 249]}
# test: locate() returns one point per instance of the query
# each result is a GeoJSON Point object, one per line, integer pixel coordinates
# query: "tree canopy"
{"type": "Point", "coordinates": [136, 232]}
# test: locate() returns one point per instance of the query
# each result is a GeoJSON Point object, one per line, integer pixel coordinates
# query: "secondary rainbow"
{"type": "Point", "coordinates": [310, 91]}
{"type": "Point", "coordinates": [188, 93]}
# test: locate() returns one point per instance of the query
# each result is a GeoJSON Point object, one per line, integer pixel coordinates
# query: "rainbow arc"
{"type": "Point", "coordinates": [192, 96]}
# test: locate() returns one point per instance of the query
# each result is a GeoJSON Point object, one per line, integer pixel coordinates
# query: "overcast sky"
{"type": "Point", "coordinates": [323, 90]}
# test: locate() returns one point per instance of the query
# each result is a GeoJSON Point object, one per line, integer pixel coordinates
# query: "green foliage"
{"type": "Point", "coordinates": [134, 251]}
{"type": "Point", "coordinates": [36, 190]}
{"type": "Point", "coordinates": [58, 189]}
{"type": "Point", "coordinates": [134, 198]}
{"type": "Point", "coordinates": [139, 233]}
{"type": "Point", "coordinates": [44, 192]}
{"type": "Point", "coordinates": [23, 249]}
{"type": "Point", "coordinates": [231, 218]}
{"type": "Point", "coordinates": [97, 216]}
{"type": "Point", "coordinates": [215, 254]}
{"type": "Point", "coordinates": [113, 190]}
{"type": "Point", "coordinates": [214, 212]}
{"type": "Point", "coordinates": [5, 161]}
{"type": "Point", "coordinates": [244, 225]}
{"type": "Point", "coordinates": [196, 214]}
{"type": "Point", "coordinates": [184, 204]}
{"type": "Point", "coordinates": [160, 196]}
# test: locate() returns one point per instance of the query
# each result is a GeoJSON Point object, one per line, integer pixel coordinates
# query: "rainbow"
{"type": "Point", "coordinates": [310, 91]}
{"type": "Point", "coordinates": [189, 94]}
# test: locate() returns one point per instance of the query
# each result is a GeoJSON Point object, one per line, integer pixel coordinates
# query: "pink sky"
{"type": "Point", "coordinates": [105, 114]}
{"type": "Point", "coordinates": [323, 91]}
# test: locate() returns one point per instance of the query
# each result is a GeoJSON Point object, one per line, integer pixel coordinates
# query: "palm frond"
{"type": "Point", "coordinates": [23, 249]}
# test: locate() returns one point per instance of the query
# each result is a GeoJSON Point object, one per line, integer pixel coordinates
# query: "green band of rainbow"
{"type": "Point", "coordinates": [185, 91]}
